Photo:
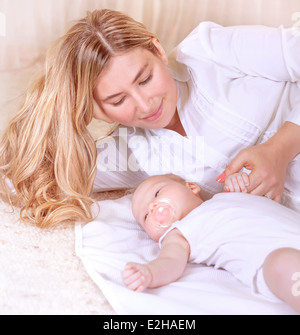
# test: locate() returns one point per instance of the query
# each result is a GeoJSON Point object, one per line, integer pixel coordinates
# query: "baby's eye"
{"type": "Point", "coordinates": [145, 218]}
{"type": "Point", "coordinates": [157, 193]}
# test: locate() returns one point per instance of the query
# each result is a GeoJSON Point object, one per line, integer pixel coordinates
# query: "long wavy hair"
{"type": "Point", "coordinates": [46, 152]}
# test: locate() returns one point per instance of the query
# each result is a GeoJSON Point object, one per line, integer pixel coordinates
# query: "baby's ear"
{"type": "Point", "coordinates": [195, 188]}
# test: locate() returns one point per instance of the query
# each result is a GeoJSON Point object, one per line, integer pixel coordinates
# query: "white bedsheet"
{"type": "Point", "coordinates": [106, 244]}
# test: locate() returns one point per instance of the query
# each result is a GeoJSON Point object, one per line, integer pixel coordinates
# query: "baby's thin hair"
{"type": "Point", "coordinates": [175, 177]}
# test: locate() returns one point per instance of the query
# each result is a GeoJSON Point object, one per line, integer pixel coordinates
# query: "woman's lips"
{"type": "Point", "coordinates": [156, 115]}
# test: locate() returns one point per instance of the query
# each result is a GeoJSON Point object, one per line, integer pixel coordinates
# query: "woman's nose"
{"type": "Point", "coordinates": [142, 103]}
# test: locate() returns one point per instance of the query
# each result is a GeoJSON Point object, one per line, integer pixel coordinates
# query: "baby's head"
{"type": "Point", "coordinates": [161, 200]}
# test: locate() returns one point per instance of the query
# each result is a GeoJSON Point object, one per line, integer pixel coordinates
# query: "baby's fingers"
{"type": "Point", "coordinates": [232, 185]}
{"type": "Point", "coordinates": [137, 285]}
{"type": "Point", "coordinates": [135, 281]}
{"type": "Point", "coordinates": [237, 183]}
{"type": "Point", "coordinates": [246, 179]}
{"type": "Point", "coordinates": [128, 275]}
{"type": "Point", "coordinates": [133, 277]}
{"type": "Point", "coordinates": [243, 181]}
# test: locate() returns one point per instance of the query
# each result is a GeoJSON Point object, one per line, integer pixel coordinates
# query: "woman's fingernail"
{"type": "Point", "coordinates": [221, 178]}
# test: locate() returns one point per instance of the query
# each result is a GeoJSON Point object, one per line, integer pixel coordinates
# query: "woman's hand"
{"type": "Point", "coordinates": [268, 171]}
{"type": "Point", "coordinates": [268, 162]}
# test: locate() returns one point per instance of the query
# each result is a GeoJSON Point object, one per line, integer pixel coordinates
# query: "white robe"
{"type": "Point", "coordinates": [236, 87]}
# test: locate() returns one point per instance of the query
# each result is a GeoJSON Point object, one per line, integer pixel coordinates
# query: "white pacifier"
{"type": "Point", "coordinates": [162, 212]}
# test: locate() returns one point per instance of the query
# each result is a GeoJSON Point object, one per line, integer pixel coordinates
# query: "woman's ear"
{"type": "Point", "coordinates": [99, 114]}
{"type": "Point", "coordinates": [195, 188]}
{"type": "Point", "coordinates": [161, 51]}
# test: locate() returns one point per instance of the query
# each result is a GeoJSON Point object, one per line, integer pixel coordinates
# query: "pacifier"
{"type": "Point", "coordinates": [162, 212]}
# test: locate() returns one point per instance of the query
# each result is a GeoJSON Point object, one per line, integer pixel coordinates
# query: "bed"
{"type": "Point", "coordinates": [69, 269]}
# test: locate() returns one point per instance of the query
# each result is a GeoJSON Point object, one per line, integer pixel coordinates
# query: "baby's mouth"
{"type": "Point", "coordinates": [162, 213]}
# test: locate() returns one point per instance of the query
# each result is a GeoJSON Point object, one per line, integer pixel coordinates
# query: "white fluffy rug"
{"type": "Point", "coordinates": [40, 272]}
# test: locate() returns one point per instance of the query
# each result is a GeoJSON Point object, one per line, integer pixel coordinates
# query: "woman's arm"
{"type": "Point", "coordinates": [270, 53]}
{"type": "Point", "coordinates": [268, 162]}
{"type": "Point", "coordinates": [165, 269]}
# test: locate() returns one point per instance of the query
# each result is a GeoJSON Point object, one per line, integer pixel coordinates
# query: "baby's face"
{"type": "Point", "coordinates": [161, 200]}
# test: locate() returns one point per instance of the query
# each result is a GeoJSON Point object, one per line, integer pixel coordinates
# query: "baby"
{"type": "Point", "coordinates": [254, 238]}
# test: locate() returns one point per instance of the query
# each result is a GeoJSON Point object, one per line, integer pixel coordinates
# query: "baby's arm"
{"type": "Point", "coordinates": [166, 268]}
{"type": "Point", "coordinates": [237, 182]}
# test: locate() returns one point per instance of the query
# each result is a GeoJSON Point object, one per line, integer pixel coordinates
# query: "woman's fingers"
{"type": "Point", "coordinates": [263, 190]}
{"type": "Point", "coordinates": [268, 171]}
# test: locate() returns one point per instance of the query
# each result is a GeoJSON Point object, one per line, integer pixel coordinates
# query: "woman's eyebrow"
{"type": "Point", "coordinates": [141, 71]}
{"type": "Point", "coordinates": [112, 96]}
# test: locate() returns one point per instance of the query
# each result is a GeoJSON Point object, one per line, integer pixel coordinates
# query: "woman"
{"type": "Point", "coordinates": [110, 67]}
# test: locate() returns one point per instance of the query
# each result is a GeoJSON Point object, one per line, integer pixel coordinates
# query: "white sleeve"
{"type": "Point", "coordinates": [258, 51]}
{"type": "Point", "coordinates": [261, 51]}
{"type": "Point", "coordinates": [267, 52]}
{"type": "Point", "coordinates": [294, 116]}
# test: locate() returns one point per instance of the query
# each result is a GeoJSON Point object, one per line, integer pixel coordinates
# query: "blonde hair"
{"type": "Point", "coordinates": [46, 152]}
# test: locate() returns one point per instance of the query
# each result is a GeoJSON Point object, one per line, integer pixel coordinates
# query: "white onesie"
{"type": "Point", "coordinates": [236, 232]}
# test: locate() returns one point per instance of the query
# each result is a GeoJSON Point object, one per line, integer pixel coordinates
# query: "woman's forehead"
{"type": "Point", "coordinates": [123, 70]}
{"type": "Point", "coordinates": [126, 61]}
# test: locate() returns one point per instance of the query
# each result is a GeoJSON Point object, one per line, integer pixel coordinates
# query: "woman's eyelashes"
{"type": "Point", "coordinates": [144, 82]}
{"type": "Point", "coordinates": [119, 102]}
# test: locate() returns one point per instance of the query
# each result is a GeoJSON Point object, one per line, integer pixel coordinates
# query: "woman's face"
{"type": "Point", "coordinates": [137, 89]}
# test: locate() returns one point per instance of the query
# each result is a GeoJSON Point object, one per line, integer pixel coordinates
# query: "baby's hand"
{"type": "Point", "coordinates": [137, 277]}
{"type": "Point", "coordinates": [237, 182]}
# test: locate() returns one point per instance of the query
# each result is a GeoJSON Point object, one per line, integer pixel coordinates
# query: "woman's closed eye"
{"type": "Point", "coordinates": [144, 82]}
{"type": "Point", "coordinates": [119, 102]}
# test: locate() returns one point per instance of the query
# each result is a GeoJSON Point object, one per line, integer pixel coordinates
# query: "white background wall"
{"type": "Point", "coordinates": [31, 25]}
